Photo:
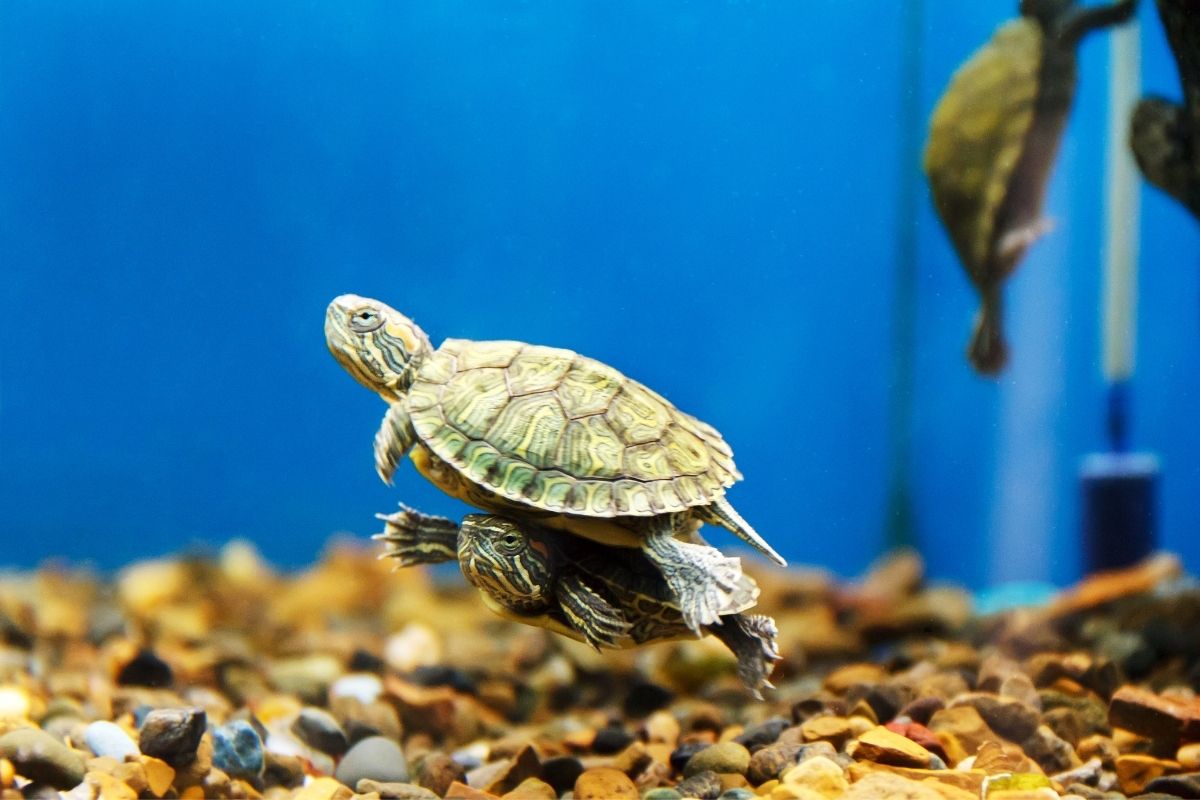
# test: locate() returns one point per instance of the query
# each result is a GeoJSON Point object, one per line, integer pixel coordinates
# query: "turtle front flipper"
{"type": "Point", "coordinates": [705, 583]}
{"type": "Point", "coordinates": [751, 638]}
{"type": "Point", "coordinates": [416, 538]}
{"type": "Point", "coordinates": [394, 438]}
{"type": "Point", "coordinates": [599, 622]}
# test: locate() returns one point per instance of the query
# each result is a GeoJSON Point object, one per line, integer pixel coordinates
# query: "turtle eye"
{"type": "Point", "coordinates": [510, 542]}
{"type": "Point", "coordinates": [365, 320]}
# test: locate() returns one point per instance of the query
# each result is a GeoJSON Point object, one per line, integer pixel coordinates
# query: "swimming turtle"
{"type": "Point", "coordinates": [1165, 137]}
{"type": "Point", "coordinates": [992, 141]}
{"type": "Point", "coordinates": [545, 433]}
{"type": "Point", "coordinates": [607, 597]}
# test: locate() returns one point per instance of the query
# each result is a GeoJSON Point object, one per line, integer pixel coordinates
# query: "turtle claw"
{"type": "Point", "coordinates": [751, 637]}
{"type": "Point", "coordinates": [416, 538]}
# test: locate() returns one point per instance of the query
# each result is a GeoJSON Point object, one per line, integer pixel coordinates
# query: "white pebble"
{"type": "Point", "coordinates": [362, 686]}
{"type": "Point", "coordinates": [416, 645]}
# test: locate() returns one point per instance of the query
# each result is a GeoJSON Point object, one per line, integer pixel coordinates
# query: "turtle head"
{"type": "Point", "coordinates": [376, 344]}
{"type": "Point", "coordinates": [1047, 12]}
{"type": "Point", "coordinates": [514, 565]}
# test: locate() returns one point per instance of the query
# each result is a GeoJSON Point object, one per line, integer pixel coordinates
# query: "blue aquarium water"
{"type": "Point", "coordinates": [714, 197]}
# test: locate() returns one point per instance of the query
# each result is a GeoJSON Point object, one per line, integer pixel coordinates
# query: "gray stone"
{"type": "Point", "coordinates": [1185, 785]}
{"type": "Point", "coordinates": [375, 758]}
{"type": "Point", "coordinates": [238, 750]}
{"type": "Point", "coordinates": [109, 739]}
{"type": "Point", "coordinates": [41, 758]}
{"type": "Point", "coordinates": [173, 734]}
{"type": "Point", "coordinates": [703, 785]}
{"type": "Point", "coordinates": [320, 730]}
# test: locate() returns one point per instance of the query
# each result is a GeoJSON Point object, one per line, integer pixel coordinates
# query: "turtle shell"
{"type": "Point", "coordinates": [557, 431]}
{"type": "Point", "coordinates": [977, 134]}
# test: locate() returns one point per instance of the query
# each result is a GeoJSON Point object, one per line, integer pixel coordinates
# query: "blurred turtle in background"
{"type": "Point", "coordinates": [1165, 137]}
{"type": "Point", "coordinates": [992, 141]}
{"type": "Point", "coordinates": [550, 435]}
{"type": "Point", "coordinates": [604, 596]}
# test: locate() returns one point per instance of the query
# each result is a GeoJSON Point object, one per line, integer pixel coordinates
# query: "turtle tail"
{"type": "Point", "coordinates": [723, 514]}
{"type": "Point", "coordinates": [987, 351]}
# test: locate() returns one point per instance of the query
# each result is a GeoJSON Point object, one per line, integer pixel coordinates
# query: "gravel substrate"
{"type": "Point", "coordinates": [222, 678]}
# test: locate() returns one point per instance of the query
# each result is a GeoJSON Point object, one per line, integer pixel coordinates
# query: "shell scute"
{"type": "Point", "coordinates": [476, 355]}
{"type": "Point", "coordinates": [474, 399]}
{"type": "Point", "coordinates": [647, 462]}
{"type": "Point", "coordinates": [529, 428]}
{"type": "Point", "coordinates": [687, 453]}
{"type": "Point", "coordinates": [590, 449]}
{"type": "Point", "coordinates": [538, 369]}
{"type": "Point", "coordinates": [588, 387]}
{"type": "Point", "coordinates": [637, 415]}
{"type": "Point", "coordinates": [550, 490]}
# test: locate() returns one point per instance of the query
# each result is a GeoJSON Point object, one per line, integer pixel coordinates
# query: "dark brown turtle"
{"type": "Point", "coordinates": [992, 141]}
{"type": "Point", "coordinates": [1165, 137]}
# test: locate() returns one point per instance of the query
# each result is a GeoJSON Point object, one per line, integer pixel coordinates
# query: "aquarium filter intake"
{"type": "Point", "coordinates": [1119, 487]}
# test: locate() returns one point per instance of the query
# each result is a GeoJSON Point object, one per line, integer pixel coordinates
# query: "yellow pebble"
{"type": "Point", "coordinates": [324, 789]}
{"type": "Point", "coordinates": [159, 774]}
{"type": "Point", "coordinates": [7, 773]}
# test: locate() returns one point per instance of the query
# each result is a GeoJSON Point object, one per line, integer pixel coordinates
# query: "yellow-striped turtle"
{"type": "Point", "coordinates": [543, 432]}
{"type": "Point", "coordinates": [575, 587]}
{"type": "Point", "coordinates": [992, 141]}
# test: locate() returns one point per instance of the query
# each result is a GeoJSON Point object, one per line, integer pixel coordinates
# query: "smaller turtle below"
{"type": "Point", "coordinates": [607, 597]}
{"type": "Point", "coordinates": [993, 139]}
{"type": "Point", "coordinates": [1165, 137]}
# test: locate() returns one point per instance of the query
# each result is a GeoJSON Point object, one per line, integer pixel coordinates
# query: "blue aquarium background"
{"type": "Point", "coordinates": [715, 197]}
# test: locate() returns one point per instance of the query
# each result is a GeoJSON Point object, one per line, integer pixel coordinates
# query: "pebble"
{"type": "Point", "coordinates": [704, 785]}
{"type": "Point", "coordinates": [561, 772]}
{"type": "Point", "coordinates": [1188, 757]}
{"type": "Point", "coordinates": [415, 645]}
{"type": "Point", "coordinates": [238, 750]}
{"type": "Point", "coordinates": [531, 789]}
{"type": "Point", "coordinates": [605, 783]}
{"type": "Point", "coordinates": [887, 747]}
{"type": "Point", "coordinates": [661, 727]}
{"type": "Point", "coordinates": [769, 762]}
{"type": "Point", "coordinates": [172, 734]}
{"type": "Point", "coordinates": [41, 758]}
{"type": "Point", "coordinates": [395, 790]}
{"type": "Point", "coordinates": [724, 757]}
{"type": "Point", "coordinates": [317, 728]}
{"type": "Point", "coordinates": [818, 774]}
{"type": "Point", "coordinates": [762, 734]}
{"type": "Point", "coordinates": [1183, 785]}
{"type": "Point", "coordinates": [14, 703]}
{"type": "Point", "coordinates": [662, 793]}
{"type": "Point", "coordinates": [362, 686]}
{"type": "Point", "coordinates": [683, 753]}
{"type": "Point", "coordinates": [109, 739]}
{"type": "Point", "coordinates": [375, 758]}
{"type": "Point", "coordinates": [436, 771]}
{"type": "Point", "coordinates": [323, 788]}
{"type": "Point", "coordinates": [611, 739]}
{"type": "Point", "coordinates": [145, 669]}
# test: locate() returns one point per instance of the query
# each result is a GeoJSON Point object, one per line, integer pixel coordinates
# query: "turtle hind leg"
{"type": "Point", "coordinates": [416, 538]}
{"type": "Point", "coordinates": [704, 582]}
{"type": "Point", "coordinates": [751, 638]}
{"type": "Point", "coordinates": [589, 613]}
{"type": "Point", "coordinates": [723, 514]}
